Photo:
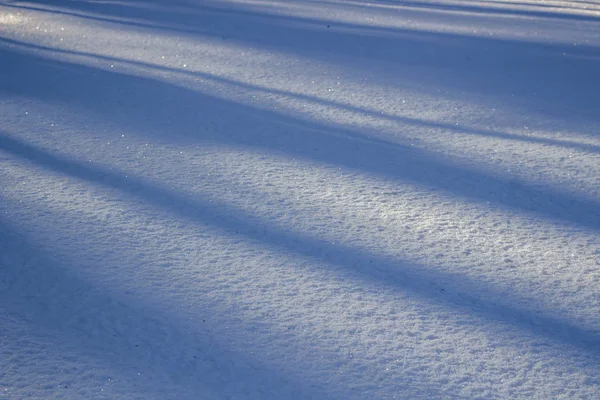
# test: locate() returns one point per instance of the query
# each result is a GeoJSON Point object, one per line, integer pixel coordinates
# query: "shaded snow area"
{"type": "Point", "coordinates": [299, 199]}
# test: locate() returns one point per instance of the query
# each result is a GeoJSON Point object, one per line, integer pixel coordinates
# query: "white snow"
{"type": "Point", "coordinates": [299, 199]}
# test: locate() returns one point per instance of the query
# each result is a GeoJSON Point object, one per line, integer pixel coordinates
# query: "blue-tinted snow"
{"type": "Point", "coordinates": [299, 199]}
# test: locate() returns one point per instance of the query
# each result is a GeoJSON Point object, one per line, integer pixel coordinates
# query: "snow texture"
{"type": "Point", "coordinates": [299, 199]}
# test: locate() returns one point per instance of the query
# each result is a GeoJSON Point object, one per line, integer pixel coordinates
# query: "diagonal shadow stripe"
{"type": "Point", "coordinates": [175, 113]}
{"type": "Point", "coordinates": [421, 280]}
{"type": "Point", "coordinates": [316, 100]}
{"type": "Point", "coordinates": [131, 336]}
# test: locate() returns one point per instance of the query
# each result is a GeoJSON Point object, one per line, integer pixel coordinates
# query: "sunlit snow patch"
{"type": "Point", "coordinates": [9, 19]}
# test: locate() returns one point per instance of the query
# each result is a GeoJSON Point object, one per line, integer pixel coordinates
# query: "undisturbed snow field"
{"type": "Point", "coordinates": [299, 199]}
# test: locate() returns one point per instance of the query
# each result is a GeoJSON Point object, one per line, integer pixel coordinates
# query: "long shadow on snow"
{"type": "Point", "coordinates": [170, 113]}
{"type": "Point", "coordinates": [316, 100]}
{"type": "Point", "coordinates": [504, 6]}
{"type": "Point", "coordinates": [558, 80]}
{"type": "Point", "coordinates": [46, 292]}
{"type": "Point", "coordinates": [421, 280]}
{"type": "Point", "coordinates": [465, 7]}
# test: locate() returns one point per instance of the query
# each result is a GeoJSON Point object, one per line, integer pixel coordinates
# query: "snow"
{"type": "Point", "coordinates": [299, 199]}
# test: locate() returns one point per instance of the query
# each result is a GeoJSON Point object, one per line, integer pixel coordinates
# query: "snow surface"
{"type": "Point", "coordinates": [299, 199]}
